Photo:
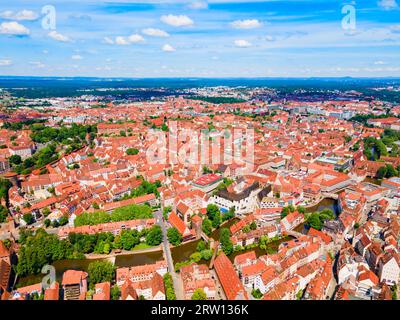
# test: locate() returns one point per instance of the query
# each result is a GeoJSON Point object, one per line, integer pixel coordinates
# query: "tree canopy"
{"type": "Point", "coordinates": [130, 212]}
{"type": "Point", "coordinates": [100, 271]}
{"type": "Point", "coordinates": [174, 236]}
{"type": "Point", "coordinates": [199, 294]}
{"type": "Point", "coordinates": [226, 243]}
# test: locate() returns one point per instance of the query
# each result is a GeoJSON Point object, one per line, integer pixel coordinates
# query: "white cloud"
{"type": "Point", "coordinates": [124, 41]}
{"type": "Point", "coordinates": [246, 24]}
{"type": "Point", "coordinates": [379, 62]}
{"type": "Point", "coordinates": [242, 43]}
{"type": "Point", "coordinates": [7, 14]}
{"type": "Point", "coordinates": [168, 48]}
{"type": "Point", "coordinates": [177, 21]}
{"type": "Point", "coordinates": [134, 38]}
{"type": "Point", "coordinates": [198, 5]}
{"type": "Point", "coordinates": [108, 40]}
{"type": "Point", "coordinates": [58, 36]}
{"type": "Point", "coordinates": [5, 62]}
{"type": "Point", "coordinates": [387, 4]}
{"type": "Point", "coordinates": [152, 32]}
{"type": "Point", "coordinates": [45, 51]}
{"type": "Point", "coordinates": [20, 15]}
{"type": "Point", "coordinates": [395, 28]}
{"type": "Point", "coordinates": [121, 41]}
{"type": "Point", "coordinates": [13, 28]}
{"type": "Point", "coordinates": [76, 57]}
{"type": "Point", "coordinates": [26, 15]}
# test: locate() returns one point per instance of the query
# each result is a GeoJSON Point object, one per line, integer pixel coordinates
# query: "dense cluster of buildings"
{"type": "Point", "coordinates": [303, 153]}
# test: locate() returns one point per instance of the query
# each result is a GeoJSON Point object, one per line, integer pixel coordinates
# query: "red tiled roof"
{"type": "Point", "coordinates": [254, 269]}
{"type": "Point", "coordinates": [3, 250]}
{"type": "Point", "coordinates": [73, 277]}
{"type": "Point", "coordinates": [102, 291]}
{"type": "Point", "coordinates": [177, 222]}
{"type": "Point", "coordinates": [230, 281]}
{"type": "Point", "coordinates": [316, 233]}
{"type": "Point", "coordinates": [123, 203]}
{"type": "Point", "coordinates": [207, 179]}
{"type": "Point", "coordinates": [53, 292]}
{"type": "Point", "coordinates": [242, 258]}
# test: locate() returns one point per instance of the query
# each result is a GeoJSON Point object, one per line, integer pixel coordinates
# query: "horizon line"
{"type": "Point", "coordinates": [207, 78]}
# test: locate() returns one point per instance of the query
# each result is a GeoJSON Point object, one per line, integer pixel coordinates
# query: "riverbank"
{"type": "Point", "coordinates": [95, 256]}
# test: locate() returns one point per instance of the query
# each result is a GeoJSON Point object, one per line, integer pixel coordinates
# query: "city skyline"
{"type": "Point", "coordinates": [210, 39]}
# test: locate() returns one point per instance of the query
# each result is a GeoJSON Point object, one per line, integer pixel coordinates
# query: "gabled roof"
{"type": "Point", "coordinates": [177, 223]}
{"type": "Point", "coordinates": [230, 281]}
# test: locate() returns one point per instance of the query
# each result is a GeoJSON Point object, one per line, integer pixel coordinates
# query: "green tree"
{"type": "Point", "coordinates": [164, 127]}
{"type": "Point", "coordinates": [106, 248]}
{"type": "Point", "coordinates": [28, 218]}
{"type": "Point", "coordinates": [132, 151]}
{"type": "Point", "coordinates": [256, 293]}
{"type": "Point", "coordinates": [166, 211]}
{"type": "Point", "coordinates": [195, 257]}
{"type": "Point", "coordinates": [225, 241]}
{"type": "Point", "coordinates": [206, 227]}
{"type": "Point", "coordinates": [201, 246]}
{"type": "Point", "coordinates": [169, 287]}
{"type": "Point", "coordinates": [253, 225]}
{"type": "Point", "coordinates": [40, 249]}
{"type": "Point", "coordinates": [55, 224]}
{"type": "Point", "coordinates": [174, 236]}
{"type": "Point", "coordinates": [117, 244]}
{"type": "Point", "coordinates": [3, 213]}
{"type": "Point", "coordinates": [199, 294]}
{"type": "Point", "coordinates": [381, 148]}
{"type": "Point", "coordinates": [301, 209]}
{"type": "Point", "coordinates": [214, 214]}
{"type": "Point", "coordinates": [284, 212]}
{"type": "Point", "coordinates": [229, 215]}
{"type": "Point", "coordinates": [129, 239]}
{"type": "Point", "coordinates": [217, 220]}
{"type": "Point", "coordinates": [15, 159]}
{"type": "Point", "coordinates": [206, 254]}
{"type": "Point", "coordinates": [314, 222]}
{"type": "Point", "coordinates": [316, 219]}
{"type": "Point", "coordinates": [394, 291]}
{"type": "Point", "coordinates": [130, 212]}
{"type": "Point", "coordinates": [100, 271]}
{"type": "Point", "coordinates": [47, 223]}
{"type": "Point", "coordinates": [390, 171]}
{"type": "Point", "coordinates": [381, 173]}
{"type": "Point", "coordinates": [63, 220]}
{"type": "Point", "coordinates": [115, 292]}
{"type": "Point", "coordinates": [46, 211]}
{"type": "Point", "coordinates": [154, 236]}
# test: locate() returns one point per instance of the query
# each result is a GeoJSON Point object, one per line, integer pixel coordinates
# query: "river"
{"type": "Point", "coordinates": [179, 254]}
{"type": "Point", "coordinates": [326, 203]}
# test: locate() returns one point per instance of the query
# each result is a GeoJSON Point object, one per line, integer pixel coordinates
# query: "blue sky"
{"type": "Point", "coordinates": [198, 38]}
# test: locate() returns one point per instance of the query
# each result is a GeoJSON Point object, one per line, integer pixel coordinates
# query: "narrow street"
{"type": "Point", "coordinates": [168, 256]}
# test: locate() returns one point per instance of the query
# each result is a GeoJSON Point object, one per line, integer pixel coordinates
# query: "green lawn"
{"type": "Point", "coordinates": [141, 246]}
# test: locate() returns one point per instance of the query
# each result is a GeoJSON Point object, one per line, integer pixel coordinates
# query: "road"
{"type": "Point", "coordinates": [167, 254]}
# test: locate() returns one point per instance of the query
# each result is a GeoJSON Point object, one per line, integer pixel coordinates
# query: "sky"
{"type": "Point", "coordinates": [199, 38]}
